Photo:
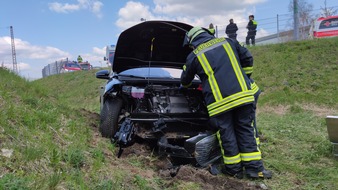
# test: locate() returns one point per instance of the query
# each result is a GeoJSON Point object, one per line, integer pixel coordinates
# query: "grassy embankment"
{"type": "Point", "coordinates": [300, 87]}
{"type": "Point", "coordinates": [51, 127]}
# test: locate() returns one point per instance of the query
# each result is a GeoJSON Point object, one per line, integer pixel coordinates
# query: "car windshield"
{"type": "Point", "coordinates": [154, 72]}
{"type": "Point", "coordinates": [72, 65]}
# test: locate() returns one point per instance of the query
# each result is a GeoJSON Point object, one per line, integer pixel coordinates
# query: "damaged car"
{"type": "Point", "coordinates": [143, 101]}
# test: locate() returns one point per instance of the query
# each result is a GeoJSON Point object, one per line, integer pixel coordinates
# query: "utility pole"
{"type": "Point", "coordinates": [15, 66]}
{"type": "Point", "coordinates": [278, 28]}
{"type": "Point", "coordinates": [295, 20]}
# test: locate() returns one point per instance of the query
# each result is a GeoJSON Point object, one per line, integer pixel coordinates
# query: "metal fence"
{"type": "Point", "coordinates": [53, 68]}
{"type": "Point", "coordinates": [277, 29]}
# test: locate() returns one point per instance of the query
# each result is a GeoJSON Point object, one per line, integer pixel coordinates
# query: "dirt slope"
{"type": "Point", "coordinates": [155, 167]}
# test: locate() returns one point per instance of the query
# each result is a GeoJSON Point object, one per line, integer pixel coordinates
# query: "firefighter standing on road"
{"type": "Point", "coordinates": [252, 29]}
{"type": "Point", "coordinates": [220, 64]}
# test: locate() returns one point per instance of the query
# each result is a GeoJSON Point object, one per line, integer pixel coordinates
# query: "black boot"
{"type": "Point", "coordinates": [265, 174]}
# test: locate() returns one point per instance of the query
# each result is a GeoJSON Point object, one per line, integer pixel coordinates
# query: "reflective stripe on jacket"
{"type": "Point", "coordinates": [218, 63]}
{"type": "Point", "coordinates": [252, 27]}
{"type": "Point", "coordinates": [254, 87]}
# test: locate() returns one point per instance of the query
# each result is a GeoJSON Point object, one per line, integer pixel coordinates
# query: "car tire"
{"type": "Point", "coordinates": [109, 116]}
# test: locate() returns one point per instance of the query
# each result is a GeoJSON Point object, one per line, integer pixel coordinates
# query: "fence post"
{"type": "Point", "coordinates": [278, 29]}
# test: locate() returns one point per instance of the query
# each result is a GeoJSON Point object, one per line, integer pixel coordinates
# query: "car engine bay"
{"type": "Point", "coordinates": [164, 99]}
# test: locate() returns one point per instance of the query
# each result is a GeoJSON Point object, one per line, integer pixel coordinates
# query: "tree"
{"type": "Point", "coordinates": [328, 11]}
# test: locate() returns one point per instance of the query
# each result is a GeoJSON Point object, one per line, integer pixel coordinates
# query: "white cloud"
{"type": "Point", "coordinates": [201, 8]}
{"type": "Point", "coordinates": [21, 66]}
{"type": "Point", "coordinates": [63, 8]}
{"type": "Point", "coordinates": [132, 13]}
{"type": "Point", "coordinates": [196, 13]}
{"type": "Point", "coordinates": [92, 5]}
{"type": "Point", "coordinates": [27, 50]}
{"type": "Point", "coordinates": [35, 56]}
{"type": "Point", "coordinates": [5, 47]}
{"type": "Point", "coordinates": [99, 51]}
{"type": "Point", "coordinates": [96, 8]}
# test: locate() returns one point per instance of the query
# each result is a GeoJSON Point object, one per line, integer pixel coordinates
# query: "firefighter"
{"type": "Point", "coordinates": [252, 29]}
{"type": "Point", "coordinates": [212, 29]}
{"type": "Point", "coordinates": [231, 29]}
{"type": "Point", "coordinates": [219, 63]}
{"type": "Point", "coordinates": [79, 59]}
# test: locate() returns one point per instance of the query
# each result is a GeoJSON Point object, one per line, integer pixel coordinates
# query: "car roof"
{"type": "Point", "coordinates": [325, 18]}
{"type": "Point", "coordinates": [152, 43]}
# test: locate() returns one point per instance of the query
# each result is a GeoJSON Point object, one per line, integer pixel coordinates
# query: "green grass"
{"type": "Point", "coordinates": [49, 125]}
{"type": "Point", "coordinates": [296, 148]}
{"type": "Point", "coordinates": [303, 72]}
{"type": "Point", "coordinates": [87, 89]}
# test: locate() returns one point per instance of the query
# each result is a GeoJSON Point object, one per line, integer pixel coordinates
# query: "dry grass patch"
{"type": "Point", "coordinates": [320, 111]}
{"type": "Point", "coordinates": [279, 110]}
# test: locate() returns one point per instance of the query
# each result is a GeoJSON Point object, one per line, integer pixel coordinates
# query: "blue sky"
{"type": "Point", "coordinates": [49, 30]}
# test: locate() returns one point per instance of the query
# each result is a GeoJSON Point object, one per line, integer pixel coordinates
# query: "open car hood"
{"type": "Point", "coordinates": [152, 43]}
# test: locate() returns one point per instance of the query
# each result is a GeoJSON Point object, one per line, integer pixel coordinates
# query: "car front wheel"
{"type": "Point", "coordinates": [109, 116]}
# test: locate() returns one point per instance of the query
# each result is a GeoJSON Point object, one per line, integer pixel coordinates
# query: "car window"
{"type": "Point", "coordinates": [86, 66]}
{"type": "Point", "coordinates": [329, 23]}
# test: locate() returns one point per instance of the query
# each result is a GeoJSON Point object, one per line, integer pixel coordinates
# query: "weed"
{"type": "Point", "coordinates": [135, 161]}
{"type": "Point", "coordinates": [141, 182]}
{"type": "Point", "coordinates": [105, 185]}
{"type": "Point", "coordinates": [11, 182]}
{"type": "Point", "coordinates": [33, 153]}
{"type": "Point", "coordinates": [98, 154]}
{"type": "Point", "coordinates": [55, 158]}
{"type": "Point", "coordinates": [74, 157]}
{"type": "Point", "coordinates": [188, 186]}
{"type": "Point", "coordinates": [54, 180]}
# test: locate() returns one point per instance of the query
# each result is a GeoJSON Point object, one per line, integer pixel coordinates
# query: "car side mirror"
{"type": "Point", "coordinates": [103, 74]}
{"type": "Point", "coordinates": [105, 59]}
